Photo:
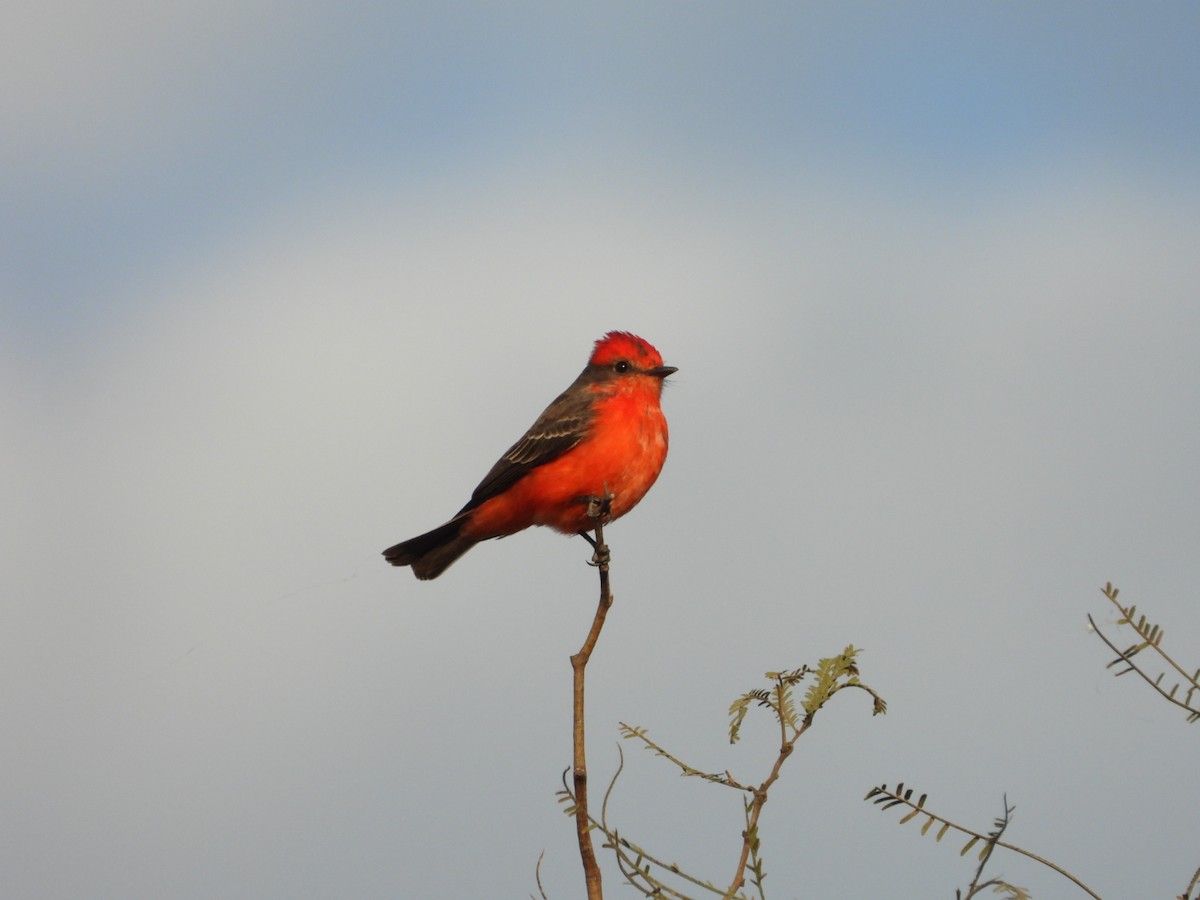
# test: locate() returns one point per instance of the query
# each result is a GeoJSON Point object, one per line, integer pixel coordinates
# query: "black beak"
{"type": "Point", "coordinates": [662, 371]}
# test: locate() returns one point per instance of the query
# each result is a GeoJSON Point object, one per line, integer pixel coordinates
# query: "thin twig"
{"type": "Point", "coordinates": [1001, 825]}
{"type": "Point", "coordinates": [1111, 593]}
{"type": "Point", "coordinates": [598, 509]}
{"type": "Point", "coordinates": [619, 845]}
{"type": "Point", "coordinates": [1186, 895]}
{"type": "Point", "coordinates": [1166, 695]}
{"type": "Point", "coordinates": [723, 778]}
{"type": "Point", "coordinates": [899, 796]}
{"type": "Point", "coordinates": [537, 873]}
{"type": "Point", "coordinates": [786, 746]}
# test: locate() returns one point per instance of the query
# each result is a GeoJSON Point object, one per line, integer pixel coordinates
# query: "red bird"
{"type": "Point", "coordinates": [605, 432]}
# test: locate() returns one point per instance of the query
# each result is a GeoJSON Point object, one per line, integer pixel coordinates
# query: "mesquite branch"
{"type": "Point", "coordinates": [598, 509]}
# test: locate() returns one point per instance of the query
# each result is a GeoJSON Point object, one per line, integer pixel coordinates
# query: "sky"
{"type": "Point", "coordinates": [279, 282]}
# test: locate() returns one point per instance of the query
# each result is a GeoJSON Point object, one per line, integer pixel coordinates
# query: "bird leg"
{"type": "Point", "coordinates": [600, 555]}
{"type": "Point", "coordinates": [598, 509]}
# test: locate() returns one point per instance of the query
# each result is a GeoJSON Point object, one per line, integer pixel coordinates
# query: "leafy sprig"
{"type": "Point", "coordinates": [1150, 637]}
{"type": "Point", "coordinates": [887, 798]}
{"type": "Point", "coordinates": [646, 871]}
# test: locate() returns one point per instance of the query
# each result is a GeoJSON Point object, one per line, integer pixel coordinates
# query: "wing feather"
{"type": "Point", "coordinates": [559, 428]}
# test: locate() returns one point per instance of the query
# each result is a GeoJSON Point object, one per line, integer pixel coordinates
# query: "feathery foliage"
{"type": "Point", "coordinates": [794, 715]}
{"type": "Point", "coordinates": [1150, 638]}
{"type": "Point", "coordinates": [649, 873]}
{"type": "Point", "coordinates": [832, 674]}
{"type": "Point", "coordinates": [887, 798]}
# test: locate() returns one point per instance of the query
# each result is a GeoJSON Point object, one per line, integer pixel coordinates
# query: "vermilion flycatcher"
{"type": "Point", "coordinates": [606, 432]}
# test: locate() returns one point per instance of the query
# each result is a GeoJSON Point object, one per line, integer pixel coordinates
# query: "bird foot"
{"type": "Point", "coordinates": [599, 507]}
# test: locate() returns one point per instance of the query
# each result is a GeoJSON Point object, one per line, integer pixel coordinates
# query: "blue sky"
{"type": "Point", "coordinates": [278, 283]}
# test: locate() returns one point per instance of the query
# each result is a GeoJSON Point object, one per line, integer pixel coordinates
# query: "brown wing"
{"type": "Point", "coordinates": [560, 427]}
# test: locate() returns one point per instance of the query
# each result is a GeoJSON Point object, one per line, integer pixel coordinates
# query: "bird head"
{"type": "Point", "coordinates": [628, 354]}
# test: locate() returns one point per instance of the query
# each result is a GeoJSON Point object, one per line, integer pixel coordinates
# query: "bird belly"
{"type": "Point", "coordinates": [624, 460]}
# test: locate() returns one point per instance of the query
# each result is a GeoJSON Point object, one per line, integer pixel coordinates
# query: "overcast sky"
{"type": "Point", "coordinates": [279, 282]}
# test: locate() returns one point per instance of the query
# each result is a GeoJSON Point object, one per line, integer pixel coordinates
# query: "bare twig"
{"type": "Point", "coordinates": [629, 731]}
{"type": "Point", "coordinates": [633, 860]}
{"type": "Point", "coordinates": [598, 509]}
{"type": "Point", "coordinates": [537, 872]}
{"type": "Point", "coordinates": [634, 867]}
{"type": "Point", "coordinates": [1192, 885]}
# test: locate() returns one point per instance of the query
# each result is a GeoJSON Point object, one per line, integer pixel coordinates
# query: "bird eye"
{"type": "Point", "coordinates": [623, 366]}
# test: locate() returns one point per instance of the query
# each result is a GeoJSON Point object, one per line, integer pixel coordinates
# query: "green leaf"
{"type": "Point", "coordinates": [737, 711]}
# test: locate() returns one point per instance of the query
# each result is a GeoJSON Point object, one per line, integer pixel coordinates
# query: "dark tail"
{"type": "Point", "coordinates": [432, 553]}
